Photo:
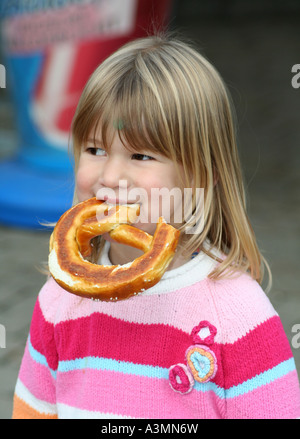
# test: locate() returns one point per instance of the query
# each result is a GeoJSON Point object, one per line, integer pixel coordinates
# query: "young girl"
{"type": "Point", "coordinates": [204, 342]}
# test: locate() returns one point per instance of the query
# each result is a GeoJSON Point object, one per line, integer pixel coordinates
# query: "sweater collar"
{"type": "Point", "coordinates": [194, 270]}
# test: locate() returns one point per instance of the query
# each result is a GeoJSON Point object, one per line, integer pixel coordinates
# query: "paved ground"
{"type": "Point", "coordinates": [255, 56]}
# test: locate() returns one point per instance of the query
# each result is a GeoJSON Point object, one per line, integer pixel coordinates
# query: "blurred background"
{"type": "Point", "coordinates": [254, 45]}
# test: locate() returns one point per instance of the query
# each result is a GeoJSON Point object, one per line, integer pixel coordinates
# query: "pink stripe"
{"type": "Point", "coordinates": [189, 305]}
{"type": "Point", "coordinates": [241, 306]}
{"type": "Point", "coordinates": [242, 360]}
{"type": "Point", "coordinates": [255, 353]}
{"type": "Point", "coordinates": [42, 337]}
{"type": "Point", "coordinates": [149, 344]}
{"type": "Point", "coordinates": [154, 345]}
{"type": "Point", "coordinates": [135, 396]}
{"type": "Point", "coordinates": [192, 304]}
{"type": "Point", "coordinates": [279, 400]}
{"type": "Point", "coordinates": [29, 371]}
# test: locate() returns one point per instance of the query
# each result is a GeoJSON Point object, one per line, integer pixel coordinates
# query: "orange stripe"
{"type": "Point", "coordinates": [22, 410]}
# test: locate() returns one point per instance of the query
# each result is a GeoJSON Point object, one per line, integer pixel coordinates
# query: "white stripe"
{"type": "Point", "coordinates": [68, 412]}
{"type": "Point", "coordinates": [40, 406]}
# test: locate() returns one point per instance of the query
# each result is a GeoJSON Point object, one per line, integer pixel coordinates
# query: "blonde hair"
{"type": "Point", "coordinates": [163, 96]}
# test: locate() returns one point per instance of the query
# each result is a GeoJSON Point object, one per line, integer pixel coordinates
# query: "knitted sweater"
{"type": "Point", "coordinates": [187, 348]}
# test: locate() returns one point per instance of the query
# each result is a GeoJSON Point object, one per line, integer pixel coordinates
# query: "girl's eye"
{"type": "Point", "coordinates": [95, 151]}
{"type": "Point", "coordinates": [142, 157]}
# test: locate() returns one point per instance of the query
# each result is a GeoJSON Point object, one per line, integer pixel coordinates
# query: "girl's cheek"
{"type": "Point", "coordinates": [83, 183]}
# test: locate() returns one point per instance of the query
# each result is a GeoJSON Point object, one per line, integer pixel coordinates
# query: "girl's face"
{"type": "Point", "coordinates": [121, 176]}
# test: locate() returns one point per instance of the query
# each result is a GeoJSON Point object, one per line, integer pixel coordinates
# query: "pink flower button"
{"type": "Point", "coordinates": [204, 333]}
{"type": "Point", "coordinates": [180, 378]}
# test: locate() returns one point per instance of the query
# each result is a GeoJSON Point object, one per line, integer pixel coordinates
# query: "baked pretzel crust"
{"type": "Point", "coordinates": [70, 244]}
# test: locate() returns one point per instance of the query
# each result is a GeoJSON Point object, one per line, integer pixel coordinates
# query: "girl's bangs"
{"type": "Point", "coordinates": [130, 109]}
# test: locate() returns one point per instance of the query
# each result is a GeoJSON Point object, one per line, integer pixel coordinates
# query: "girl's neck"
{"type": "Point", "coordinates": [120, 254]}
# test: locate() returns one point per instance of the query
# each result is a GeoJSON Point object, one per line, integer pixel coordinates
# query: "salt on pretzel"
{"type": "Point", "coordinates": [70, 245]}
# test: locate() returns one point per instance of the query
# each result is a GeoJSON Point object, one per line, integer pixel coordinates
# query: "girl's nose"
{"type": "Point", "coordinates": [113, 174]}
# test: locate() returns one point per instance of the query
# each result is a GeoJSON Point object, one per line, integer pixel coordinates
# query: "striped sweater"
{"type": "Point", "coordinates": [187, 348]}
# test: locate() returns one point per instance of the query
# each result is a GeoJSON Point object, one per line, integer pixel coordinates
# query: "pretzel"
{"type": "Point", "coordinates": [70, 245]}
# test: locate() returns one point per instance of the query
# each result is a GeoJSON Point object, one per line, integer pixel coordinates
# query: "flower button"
{"type": "Point", "coordinates": [180, 378]}
{"type": "Point", "coordinates": [202, 362]}
{"type": "Point", "coordinates": [204, 333]}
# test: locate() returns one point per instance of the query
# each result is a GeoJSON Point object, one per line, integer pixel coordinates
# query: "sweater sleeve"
{"type": "Point", "coordinates": [259, 372]}
{"type": "Point", "coordinates": [34, 396]}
